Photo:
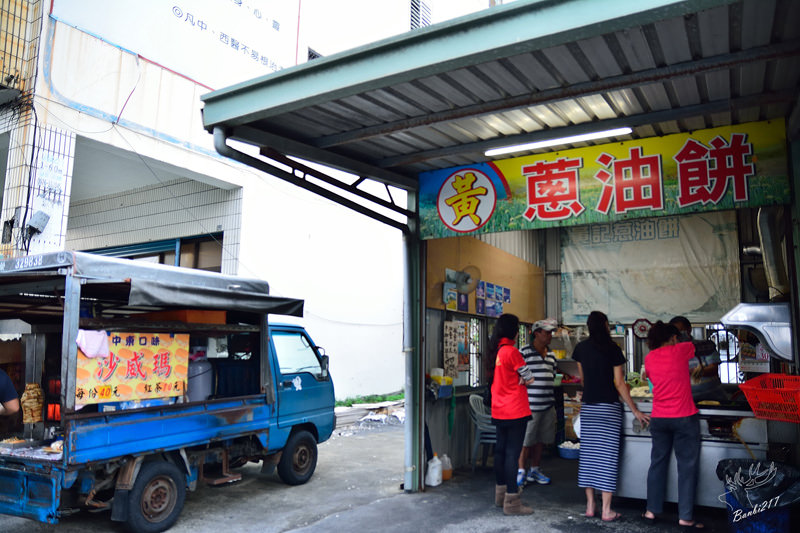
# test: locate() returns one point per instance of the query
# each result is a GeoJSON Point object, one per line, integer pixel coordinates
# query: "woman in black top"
{"type": "Point", "coordinates": [602, 371]}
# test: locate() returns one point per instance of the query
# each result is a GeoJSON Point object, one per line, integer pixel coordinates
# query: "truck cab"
{"type": "Point", "coordinates": [141, 381]}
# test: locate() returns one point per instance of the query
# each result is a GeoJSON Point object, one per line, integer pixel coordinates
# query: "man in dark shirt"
{"type": "Point", "coordinates": [9, 401]}
{"type": "Point", "coordinates": [704, 368]}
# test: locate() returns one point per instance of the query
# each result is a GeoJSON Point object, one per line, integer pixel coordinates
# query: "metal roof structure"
{"type": "Point", "coordinates": [530, 70]}
{"type": "Point", "coordinates": [442, 95]}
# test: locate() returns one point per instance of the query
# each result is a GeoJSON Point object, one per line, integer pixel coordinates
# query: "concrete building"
{"type": "Point", "coordinates": [102, 149]}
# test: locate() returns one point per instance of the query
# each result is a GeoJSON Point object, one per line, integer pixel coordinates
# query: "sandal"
{"type": "Point", "coordinates": [648, 519]}
{"type": "Point", "coordinates": [693, 526]}
{"type": "Point", "coordinates": [614, 517]}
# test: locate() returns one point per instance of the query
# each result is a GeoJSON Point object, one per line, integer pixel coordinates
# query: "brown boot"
{"type": "Point", "coordinates": [499, 495]}
{"type": "Point", "coordinates": [512, 505]}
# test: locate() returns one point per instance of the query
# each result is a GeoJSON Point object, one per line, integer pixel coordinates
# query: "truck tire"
{"type": "Point", "coordinates": [299, 458]}
{"type": "Point", "coordinates": [157, 497]}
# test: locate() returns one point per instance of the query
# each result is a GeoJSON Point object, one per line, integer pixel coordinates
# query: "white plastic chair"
{"type": "Point", "coordinates": [485, 431]}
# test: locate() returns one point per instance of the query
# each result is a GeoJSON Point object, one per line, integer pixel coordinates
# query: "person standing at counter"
{"type": "Point", "coordinates": [675, 423]}
{"type": "Point", "coordinates": [601, 366]}
{"type": "Point", "coordinates": [9, 401]}
{"type": "Point", "coordinates": [704, 366]}
{"type": "Point", "coordinates": [510, 411]}
{"type": "Point", "coordinates": [541, 428]}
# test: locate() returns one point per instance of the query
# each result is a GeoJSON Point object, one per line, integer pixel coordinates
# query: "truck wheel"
{"type": "Point", "coordinates": [157, 497]}
{"type": "Point", "coordinates": [299, 459]}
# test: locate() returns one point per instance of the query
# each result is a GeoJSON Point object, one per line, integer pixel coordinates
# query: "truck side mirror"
{"type": "Point", "coordinates": [325, 362]}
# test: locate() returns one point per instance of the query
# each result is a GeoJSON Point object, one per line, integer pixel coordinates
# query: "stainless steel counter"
{"type": "Point", "coordinates": [721, 430]}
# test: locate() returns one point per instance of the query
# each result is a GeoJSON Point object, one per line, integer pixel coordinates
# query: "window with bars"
{"type": "Point", "coordinates": [728, 348]}
{"type": "Point", "coordinates": [475, 336]}
{"type": "Point", "coordinates": [18, 43]}
{"type": "Point", "coordinates": [478, 331]}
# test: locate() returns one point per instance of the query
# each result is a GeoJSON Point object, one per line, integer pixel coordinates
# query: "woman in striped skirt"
{"type": "Point", "coordinates": [602, 371]}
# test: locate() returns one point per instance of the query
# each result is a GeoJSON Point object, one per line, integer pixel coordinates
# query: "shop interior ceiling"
{"type": "Point", "coordinates": [521, 72]}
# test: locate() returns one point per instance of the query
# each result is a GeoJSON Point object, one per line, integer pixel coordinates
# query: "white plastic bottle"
{"type": "Point", "coordinates": [433, 476]}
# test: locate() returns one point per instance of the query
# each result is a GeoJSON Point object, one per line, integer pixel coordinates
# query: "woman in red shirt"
{"type": "Point", "coordinates": [509, 376]}
{"type": "Point", "coordinates": [674, 423]}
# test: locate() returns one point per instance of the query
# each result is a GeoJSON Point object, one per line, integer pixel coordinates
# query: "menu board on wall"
{"type": "Point", "coordinates": [456, 354]}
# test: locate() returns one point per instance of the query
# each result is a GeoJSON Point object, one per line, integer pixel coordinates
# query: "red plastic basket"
{"type": "Point", "coordinates": [774, 396]}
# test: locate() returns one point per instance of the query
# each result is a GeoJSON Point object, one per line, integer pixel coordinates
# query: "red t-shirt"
{"type": "Point", "coordinates": [668, 368]}
{"type": "Point", "coordinates": [509, 398]}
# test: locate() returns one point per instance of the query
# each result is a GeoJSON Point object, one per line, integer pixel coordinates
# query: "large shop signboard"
{"type": "Point", "coordinates": [706, 170]}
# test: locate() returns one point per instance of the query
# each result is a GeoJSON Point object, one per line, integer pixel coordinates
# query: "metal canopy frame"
{"type": "Point", "coordinates": [440, 96]}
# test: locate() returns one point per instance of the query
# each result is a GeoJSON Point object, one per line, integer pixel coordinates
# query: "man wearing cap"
{"type": "Point", "coordinates": [541, 428]}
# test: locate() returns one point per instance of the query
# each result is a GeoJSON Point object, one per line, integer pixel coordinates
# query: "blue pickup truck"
{"type": "Point", "coordinates": [140, 381]}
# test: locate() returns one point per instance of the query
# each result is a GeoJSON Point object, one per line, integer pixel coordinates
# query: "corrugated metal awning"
{"type": "Point", "coordinates": [442, 95]}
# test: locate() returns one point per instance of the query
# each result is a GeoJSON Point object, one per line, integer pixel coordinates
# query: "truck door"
{"type": "Point", "coordinates": [305, 393]}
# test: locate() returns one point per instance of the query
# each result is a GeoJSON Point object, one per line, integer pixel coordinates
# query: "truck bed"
{"type": "Point", "coordinates": [114, 434]}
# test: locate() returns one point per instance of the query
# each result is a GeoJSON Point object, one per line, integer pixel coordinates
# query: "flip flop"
{"type": "Point", "coordinates": [616, 516]}
{"type": "Point", "coordinates": [587, 515]}
{"type": "Point", "coordinates": [648, 519]}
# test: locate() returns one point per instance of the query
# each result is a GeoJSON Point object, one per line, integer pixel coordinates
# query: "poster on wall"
{"type": "Point", "coordinates": [715, 169]}
{"type": "Point", "coordinates": [139, 366]}
{"type": "Point", "coordinates": [463, 303]}
{"type": "Point", "coordinates": [494, 308]}
{"type": "Point", "coordinates": [455, 348]}
{"type": "Point", "coordinates": [753, 358]}
{"type": "Point", "coordinates": [655, 268]}
{"type": "Point", "coordinates": [450, 296]}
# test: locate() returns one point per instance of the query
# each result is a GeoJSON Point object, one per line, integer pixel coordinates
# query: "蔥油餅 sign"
{"type": "Point", "coordinates": [706, 170]}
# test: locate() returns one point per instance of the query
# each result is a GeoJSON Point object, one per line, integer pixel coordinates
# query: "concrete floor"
{"type": "Point", "coordinates": [356, 487]}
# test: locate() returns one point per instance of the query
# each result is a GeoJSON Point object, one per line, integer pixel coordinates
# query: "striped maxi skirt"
{"type": "Point", "coordinates": [601, 433]}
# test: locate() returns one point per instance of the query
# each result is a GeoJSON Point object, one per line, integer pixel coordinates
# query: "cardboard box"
{"type": "Point", "coordinates": [571, 410]}
{"type": "Point", "coordinates": [195, 316]}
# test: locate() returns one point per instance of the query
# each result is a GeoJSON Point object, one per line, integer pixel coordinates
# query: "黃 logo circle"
{"type": "Point", "coordinates": [466, 200]}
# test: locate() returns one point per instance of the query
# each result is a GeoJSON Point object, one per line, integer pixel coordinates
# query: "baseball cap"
{"type": "Point", "coordinates": [548, 324]}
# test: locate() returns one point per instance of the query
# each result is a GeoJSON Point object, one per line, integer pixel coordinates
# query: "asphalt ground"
{"type": "Point", "coordinates": [357, 487]}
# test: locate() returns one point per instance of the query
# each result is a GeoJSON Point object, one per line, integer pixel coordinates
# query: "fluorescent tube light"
{"type": "Point", "coordinates": [556, 142]}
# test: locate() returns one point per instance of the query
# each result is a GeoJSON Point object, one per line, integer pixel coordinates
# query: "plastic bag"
{"type": "Point", "coordinates": [433, 474]}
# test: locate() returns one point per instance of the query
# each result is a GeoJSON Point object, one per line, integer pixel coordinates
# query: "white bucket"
{"type": "Point", "coordinates": [200, 382]}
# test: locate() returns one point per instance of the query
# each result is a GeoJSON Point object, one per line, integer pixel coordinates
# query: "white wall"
{"type": "Point", "coordinates": [347, 267]}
